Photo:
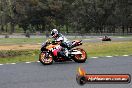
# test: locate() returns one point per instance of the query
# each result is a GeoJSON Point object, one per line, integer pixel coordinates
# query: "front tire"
{"type": "Point", "coordinates": [44, 60]}
{"type": "Point", "coordinates": [81, 58]}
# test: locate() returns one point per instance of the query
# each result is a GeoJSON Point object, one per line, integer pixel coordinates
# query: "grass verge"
{"type": "Point", "coordinates": [108, 48]}
{"type": "Point", "coordinates": [9, 41]}
{"type": "Point", "coordinates": [92, 49]}
{"type": "Point", "coordinates": [16, 56]}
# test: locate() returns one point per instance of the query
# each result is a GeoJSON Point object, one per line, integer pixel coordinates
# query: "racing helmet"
{"type": "Point", "coordinates": [54, 32]}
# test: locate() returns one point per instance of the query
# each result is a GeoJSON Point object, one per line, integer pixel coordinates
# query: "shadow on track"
{"type": "Point", "coordinates": [62, 63]}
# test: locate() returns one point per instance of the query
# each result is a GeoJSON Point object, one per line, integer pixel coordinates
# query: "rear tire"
{"type": "Point", "coordinates": [80, 58]}
{"type": "Point", "coordinates": [45, 61]}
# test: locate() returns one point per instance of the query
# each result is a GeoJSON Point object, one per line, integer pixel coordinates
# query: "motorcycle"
{"type": "Point", "coordinates": [106, 38]}
{"type": "Point", "coordinates": [49, 53]}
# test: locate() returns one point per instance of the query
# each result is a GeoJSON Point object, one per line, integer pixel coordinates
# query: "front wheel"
{"type": "Point", "coordinates": [80, 58]}
{"type": "Point", "coordinates": [45, 60]}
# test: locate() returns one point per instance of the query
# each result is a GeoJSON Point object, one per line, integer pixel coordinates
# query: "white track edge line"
{"type": "Point", "coordinates": [12, 63]}
{"type": "Point", "coordinates": [109, 56]}
{"type": "Point", "coordinates": [27, 62]}
{"type": "Point", "coordinates": [125, 55]}
{"type": "Point", "coordinates": [90, 57]}
{"type": "Point", "coordinates": [94, 57]}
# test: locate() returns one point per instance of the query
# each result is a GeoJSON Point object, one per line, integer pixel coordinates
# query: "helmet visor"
{"type": "Point", "coordinates": [52, 33]}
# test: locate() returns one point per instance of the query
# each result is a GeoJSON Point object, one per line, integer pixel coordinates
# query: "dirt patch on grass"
{"type": "Point", "coordinates": [20, 47]}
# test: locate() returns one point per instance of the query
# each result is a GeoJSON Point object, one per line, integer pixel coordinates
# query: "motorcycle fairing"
{"type": "Point", "coordinates": [75, 52]}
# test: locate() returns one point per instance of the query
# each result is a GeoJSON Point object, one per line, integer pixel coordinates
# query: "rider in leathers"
{"type": "Point", "coordinates": [58, 37]}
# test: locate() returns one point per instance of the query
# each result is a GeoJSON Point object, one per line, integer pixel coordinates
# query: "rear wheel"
{"type": "Point", "coordinates": [80, 58]}
{"type": "Point", "coordinates": [45, 60]}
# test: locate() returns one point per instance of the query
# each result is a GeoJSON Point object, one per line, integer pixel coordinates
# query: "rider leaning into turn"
{"type": "Point", "coordinates": [58, 37]}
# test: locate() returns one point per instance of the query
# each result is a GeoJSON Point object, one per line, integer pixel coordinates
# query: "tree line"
{"type": "Point", "coordinates": [69, 16]}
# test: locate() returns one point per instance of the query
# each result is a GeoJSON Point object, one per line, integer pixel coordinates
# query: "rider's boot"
{"type": "Point", "coordinates": [62, 54]}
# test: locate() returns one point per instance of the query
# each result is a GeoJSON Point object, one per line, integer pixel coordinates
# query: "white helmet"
{"type": "Point", "coordinates": [54, 31]}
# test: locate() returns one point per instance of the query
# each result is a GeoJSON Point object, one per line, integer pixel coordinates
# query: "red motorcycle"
{"type": "Point", "coordinates": [49, 53]}
{"type": "Point", "coordinates": [106, 38]}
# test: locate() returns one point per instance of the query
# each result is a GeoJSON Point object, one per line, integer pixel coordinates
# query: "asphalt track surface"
{"type": "Point", "coordinates": [63, 75]}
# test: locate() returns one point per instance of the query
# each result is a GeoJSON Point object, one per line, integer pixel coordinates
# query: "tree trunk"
{"type": "Point", "coordinates": [67, 31]}
{"type": "Point", "coordinates": [123, 29]}
{"type": "Point", "coordinates": [127, 30]}
{"type": "Point", "coordinates": [12, 28]}
{"type": "Point", "coordinates": [6, 28]}
{"type": "Point", "coordinates": [114, 28]}
{"type": "Point", "coordinates": [2, 28]}
{"type": "Point", "coordinates": [43, 28]}
{"type": "Point", "coordinates": [130, 29]}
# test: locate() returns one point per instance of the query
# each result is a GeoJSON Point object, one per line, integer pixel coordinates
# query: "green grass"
{"type": "Point", "coordinates": [11, 41]}
{"type": "Point", "coordinates": [108, 48]}
{"type": "Point", "coordinates": [18, 56]}
{"type": "Point", "coordinates": [125, 36]}
{"type": "Point", "coordinates": [19, 59]}
{"type": "Point", "coordinates": [8, 41]}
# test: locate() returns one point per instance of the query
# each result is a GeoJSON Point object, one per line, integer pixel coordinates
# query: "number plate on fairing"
{"type": "Point", "coordinates": [75, 52]}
